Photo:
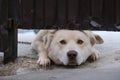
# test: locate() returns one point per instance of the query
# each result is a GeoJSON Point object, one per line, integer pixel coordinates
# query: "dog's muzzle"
{"type": "Point", "coordinates": [72, 57]}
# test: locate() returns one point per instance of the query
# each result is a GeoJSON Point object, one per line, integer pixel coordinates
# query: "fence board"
{"type": "Point", "coordinates": [40, 13]}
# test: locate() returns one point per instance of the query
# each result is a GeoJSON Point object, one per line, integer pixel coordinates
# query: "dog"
{"type": "Point", "coordinates": [66, 47]}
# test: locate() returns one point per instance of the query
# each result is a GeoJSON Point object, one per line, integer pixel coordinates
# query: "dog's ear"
{"type": "Point", "coordinates": [94, 38]}
{"type": "Point", "coordinates": [99, 40]}
{"type": "Point", "coordinates": [47, 38]}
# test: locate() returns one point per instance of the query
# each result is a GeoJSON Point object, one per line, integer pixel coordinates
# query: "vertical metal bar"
{"type": "Point", "coordinates": [44, 12]}
{"type": "Point", "coordinates": [11, 53]}
{"type": "Point", "coordinates": [90, 7]}
{"type": "Point", "coordinates": [21, 12]}
{"type": "Point", "coordinates": [79, 6]}
{"type": "Point", "coordinates": [56, 12]}
{"type": "Point", "coordinates": [66, 10]}
{"type": "Point", "coordinates": [34, 14]}
{"type": "Point", "coordinates": [1, 48]}
{"type": "Point", "coordinates": [3, 38]}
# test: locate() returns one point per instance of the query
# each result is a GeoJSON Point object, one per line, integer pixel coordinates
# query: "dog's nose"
{"type": "Point", "coordinates": [72, 54]}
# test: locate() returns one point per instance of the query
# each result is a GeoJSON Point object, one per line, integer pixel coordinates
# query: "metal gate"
{"type": "Point", "coordinates": [53, 14]}
{"type": "Point", "coordinates": [42, 13]}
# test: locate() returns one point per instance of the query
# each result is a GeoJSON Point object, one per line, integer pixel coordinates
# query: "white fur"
{"type": "Point", "coordinates": [48, 46]}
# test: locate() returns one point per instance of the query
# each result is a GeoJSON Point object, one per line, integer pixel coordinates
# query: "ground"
{"type": "Point", "coordinates": [25, 67]}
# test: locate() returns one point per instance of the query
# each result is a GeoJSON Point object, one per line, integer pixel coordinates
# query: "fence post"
{"type": "Point", "coordinates": [11, 53]}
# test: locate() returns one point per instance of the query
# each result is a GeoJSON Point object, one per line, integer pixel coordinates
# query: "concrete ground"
{"type": "Point", "coordinates": [107, 68]}
{"type": "Point", "coordinates": [69, 74]}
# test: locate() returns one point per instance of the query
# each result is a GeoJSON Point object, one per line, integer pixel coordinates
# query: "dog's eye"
{"type": "Point", "coordinates": [79, 41]}
{"type": "Point", "coordinates": [63, 42]}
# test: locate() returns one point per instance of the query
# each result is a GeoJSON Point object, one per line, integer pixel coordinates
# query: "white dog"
{"type": "Point", "coordinates": [67, 47]}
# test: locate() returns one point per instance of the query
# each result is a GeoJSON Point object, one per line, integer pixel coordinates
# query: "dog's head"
{"type": "Point", "coordinates": [71, 47]}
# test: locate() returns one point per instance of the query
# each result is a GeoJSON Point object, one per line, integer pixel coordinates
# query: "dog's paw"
{"type": "Point", "coordinates": [43, 62]}
{"type": "Point", "coordinates": [93, 57]}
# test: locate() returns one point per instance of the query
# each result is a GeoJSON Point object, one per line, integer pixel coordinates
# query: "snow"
{"type": "Point", "coordinates": [26, 35]}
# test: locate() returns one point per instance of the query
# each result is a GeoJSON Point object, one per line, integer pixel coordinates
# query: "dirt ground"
{"type": "Point", "coordinates": [26, 65]}
{"type": "Point", "coordinates": [18, 66]}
